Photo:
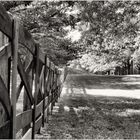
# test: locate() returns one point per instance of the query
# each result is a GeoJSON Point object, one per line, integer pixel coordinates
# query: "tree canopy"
{"type": "Point", "coordinates": [111, 35]}
{"type": "Point", "coordinates": [46, 21]}
{"type": "Point", "coordinates": [109, 29]}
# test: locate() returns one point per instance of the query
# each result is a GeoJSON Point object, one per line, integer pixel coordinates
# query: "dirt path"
{"type": "Point", "coordinates": [96, 107]}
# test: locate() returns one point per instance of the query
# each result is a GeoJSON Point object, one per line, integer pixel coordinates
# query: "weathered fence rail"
{"type": "Point", "coordinates": [21, 57]}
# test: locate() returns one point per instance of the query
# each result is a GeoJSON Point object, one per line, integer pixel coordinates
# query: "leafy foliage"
{"type": "Point", "coordinates": [12, 4]}
{"type": "Point", "coordinates": [110, 30]}
{"type": "Point", "coordinates": [136, 58]}
{"type": "Point", "coordinates": [46, 21]}
{"type": "Point", "coordinates": [110, 36]}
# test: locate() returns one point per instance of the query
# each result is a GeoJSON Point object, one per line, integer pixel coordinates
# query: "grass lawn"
{"type": "Point", "coordinates": [96, 107]}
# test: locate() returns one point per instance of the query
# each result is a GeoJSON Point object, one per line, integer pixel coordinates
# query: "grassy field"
{"type": "Point", "coordinates": [96, 107]}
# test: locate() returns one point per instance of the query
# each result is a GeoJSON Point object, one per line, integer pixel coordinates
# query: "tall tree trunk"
{"type": "Point", "coordinates": [119, 70]}
{"type": "Point", "coordinates": [128, 66]}
{"type": "Point", "coordinates": [132, 70]}
{"type": "Point", "coordinates": [139, 70]}
{"type": "Point", "coordinates": [125, 69]}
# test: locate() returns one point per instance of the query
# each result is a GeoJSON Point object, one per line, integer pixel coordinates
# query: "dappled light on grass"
{"type": "Point", "coordinates": [128, 113]}
{"type": "Point", "coordinates": [55, 109]}
{"type": "Point", "coordinates": [114, 93]}
{"type": "Point", "coordinates": [94, 113]}
{"type": "Point", "coordinates": [91, 81]}
{"type": "Point", "coordinates": [66, 108]}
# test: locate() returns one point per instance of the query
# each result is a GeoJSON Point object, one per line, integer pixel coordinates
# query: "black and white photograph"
{"type": "Point", "coordinates": [69, 69]}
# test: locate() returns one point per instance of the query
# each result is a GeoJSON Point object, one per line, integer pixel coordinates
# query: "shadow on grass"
{"type": "Point", "coordinates": [104, 82]}
{"type": "Point", "coordinates": [96, 117]}
{"type": "Point", "coordinates": [79, 115]}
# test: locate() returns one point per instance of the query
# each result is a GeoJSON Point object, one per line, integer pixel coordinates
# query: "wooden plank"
{"type": "Point", "coordinates": [4, 63]}
{"type": "Point", "coordinates": [54, 99]}
{"type": "Point", "coordinates": [14, 75]}
{"type": "Point", "coordinates": [23, 119]}
{"type": "Point", "coordinates": [42, 73]}
{"type": "Point", "coordinates": [9, 75]}
{"type": "Point", "coordinates": [5, 22]}
{"type": "Point", "coordinates": [5, 50]}
{"type": "Point", "coordinates": [47, 82]}
{"type": "Point", "coordinates": [5, 130]}
{"type": "Point", "coordinates": [46, 79]}
{"type": "Point", "coordinates": [46, 102]}
{"type": "Point", "coordinates": [25, 81]}
{"type": "Point", "coordinates": [38, 124]}
{"type": "Point", "coordinates": [28, 135]}
{"type": "Point", "coordinates": [48, 62]}
{"type": "Point", "coordinates": [28, 69]}
{"type": "Point", "coordinates": [26, 102]}
{"type": "Point", "coordinates": [49, 87]}
{"type": "Point", "coordinates": [4, 68]}
{"type": "Point", "coordinates": [19, 89]}
{"type": "Point", "coordinates": [9, 52]}
{"type": "Point", "coordinates": [36, 87]}
{"type": "Point", "coordinates": [47, 109]}
{"type": "Point", "coordinates": [52, 94]}
{"type": "Point", "coordinates": [26, 39]}
{"type": "Point", "coordinates": [57, 70]}
{"type": "Point", "coordinates": [41, 56]}
{"type": "Point", "coordinates": [44, 90]}
{"type": "Point", "coordinates": [52, 79]}
{"type": "Point", "coordinates": [52, 66]}
{"type": "Point", "coordinates": [39, 109]}
{"type": "Point", "coordinates": [40, 67]}
{"type": "Point", "coordinates": [41, 80]}
{"type": "Point", "coordinates": [4, 97]}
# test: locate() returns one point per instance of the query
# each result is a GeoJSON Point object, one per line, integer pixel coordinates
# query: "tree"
{"type": "Point", "coordinates": [108, 28]}
{"type": "Point", "coordinates": [112, 27]}
{"type": "Point", "coordinates": [136, 59]}
{"type": "Point", "coordinates": [46, 21]}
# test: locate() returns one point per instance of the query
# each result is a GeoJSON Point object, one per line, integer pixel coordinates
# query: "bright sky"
{"type": "Point", "coordinates": [75, 35]}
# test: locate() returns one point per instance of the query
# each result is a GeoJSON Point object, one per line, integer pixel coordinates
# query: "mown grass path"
{"type": "Point", "coordinates": [96, 107]}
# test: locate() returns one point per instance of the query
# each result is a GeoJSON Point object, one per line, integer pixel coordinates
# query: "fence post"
{"type": "Point", "coordinates": [48, 86]}
{"type": "Point", "coordinates": [49, 82]}
{"type": "Point", "coordinates": [14, 74]}
{"type": "Point", "coordinates": [54, 87]}
{"type": "Point", "coordinates": [58, 79]}
{"type": "Point", "coordinates": [26, 102]}
{"type": "Point", "coordinates": [36, 88]}
{"type": "Point", "coordinates": [52, 82]}
{"type": "Point", "coordinates": [43, 91]}
{"type": "Point", "coordinates": [61, 82]}
{"type": "Point", "coordinates": [57, 84]}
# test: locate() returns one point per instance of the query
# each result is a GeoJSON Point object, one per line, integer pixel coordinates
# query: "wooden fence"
{"type": "Point", "coordinates": [21, 58]}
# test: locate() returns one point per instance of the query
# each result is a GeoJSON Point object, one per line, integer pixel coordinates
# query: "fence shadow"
{"type": "Point", "coordinates": [113, 114]}
{"type": "Point", "coordinates": [105, 82]}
